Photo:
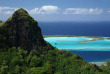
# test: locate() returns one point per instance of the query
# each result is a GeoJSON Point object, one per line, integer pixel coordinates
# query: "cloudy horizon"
{"type": "Point", "coordinates": [55, 12]}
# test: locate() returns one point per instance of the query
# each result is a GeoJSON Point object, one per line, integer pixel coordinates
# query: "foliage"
{"type": "Point", "coordinates": [106, 67]}
{"type": "Point", "coordinates": [17, 60]}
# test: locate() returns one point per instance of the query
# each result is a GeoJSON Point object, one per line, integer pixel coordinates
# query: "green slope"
{"type": "Point", "coordinates": [19, 61]}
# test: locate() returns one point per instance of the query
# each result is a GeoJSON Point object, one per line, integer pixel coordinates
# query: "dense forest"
{"type": "Point", "coordinates": [24, 51]}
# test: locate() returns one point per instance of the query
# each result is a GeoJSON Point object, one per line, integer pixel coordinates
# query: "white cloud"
{"type": "Point", "coordinates": [34, 11]}
{"type": "Point", "coordinates": [7, 10]}
{"type": "Point", "coordinates": [42, 10]}
{"type": "Point", "coordinates": [45, 10]}
{"type": "Point", "coordinates": [1, 8]}
{"type": "Point", "coordinates": [108, 11]}
{"type": "Point", "coordinates": [50, 9]}
{"type": "Point", "coordinates": [83, 11]}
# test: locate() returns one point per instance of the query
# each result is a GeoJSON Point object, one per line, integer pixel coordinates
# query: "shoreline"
{"type": "Point", "coordinates": [83, 50]}
{"type": "Point", "coordinates": [73, 36]}
{"type": "Point", "coordinates": [99, 63]}
{"type": "Point", "coordinates": [93, 38]}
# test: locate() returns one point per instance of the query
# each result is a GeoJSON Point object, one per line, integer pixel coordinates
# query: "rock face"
{"type": "Point", "coordinates": [22, 31]}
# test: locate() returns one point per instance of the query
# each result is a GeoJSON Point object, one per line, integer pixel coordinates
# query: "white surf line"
{"type": "Point", "coordinates": [85, 41]}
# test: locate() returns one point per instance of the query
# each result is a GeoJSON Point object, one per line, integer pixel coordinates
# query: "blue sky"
{"type": "Point", "coordinates": [59, 10]}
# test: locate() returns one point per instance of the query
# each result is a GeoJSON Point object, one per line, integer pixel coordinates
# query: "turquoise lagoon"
{"type": "Point", "coordinates": [96, 52]}
{"type": "Point", "coordinates": [74, 43]}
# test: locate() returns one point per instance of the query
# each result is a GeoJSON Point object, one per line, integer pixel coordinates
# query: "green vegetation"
{"type": "Point", "coordinates": [19, 61]}
{"type": "Point", "coordinates": [0, 21]}
{"type": "Point", "coordinates": [106, 67]}
{"type": "Point", "coordinates": [108, 38]}
{"type": "Point", "coordinates": [24, 51]}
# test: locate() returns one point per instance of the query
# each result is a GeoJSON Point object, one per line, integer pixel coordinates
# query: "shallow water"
{"type": "Point", "coordinates": [72, 43]}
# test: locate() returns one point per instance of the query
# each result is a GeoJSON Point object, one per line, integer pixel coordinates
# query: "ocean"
{"type": "Point", "coordinates": [76, 28]}
{"type": "Point", "coordinates": [94, 56]}
{"type": "Point", "coordinates": [80, 29]}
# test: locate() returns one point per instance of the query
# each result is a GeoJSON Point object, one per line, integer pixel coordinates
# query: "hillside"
{"type": "Point", "coordinates": [24, 51]}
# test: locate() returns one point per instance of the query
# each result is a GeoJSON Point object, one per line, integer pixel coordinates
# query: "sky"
{"type": "Point", "coordinates": [58, 10]}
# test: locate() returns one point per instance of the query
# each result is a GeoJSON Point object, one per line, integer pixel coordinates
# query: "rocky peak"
{"type": "Point", "coordinates": [23, 31]}
{"type": "Point", "coordinates": [21, 15]}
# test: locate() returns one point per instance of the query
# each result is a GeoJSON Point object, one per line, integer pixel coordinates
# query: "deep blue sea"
{"type": "Point", "coordinates": [76, 28]}
{"type": "Point", "coordinates": [80, 29]}
{"type": "Point", "coordinates": [94, 56]}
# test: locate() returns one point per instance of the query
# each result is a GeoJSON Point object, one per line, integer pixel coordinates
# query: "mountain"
{"type": "Point", "coordinates": [21, 30]}
{"type": "Point", "coordinates": [24, 51]}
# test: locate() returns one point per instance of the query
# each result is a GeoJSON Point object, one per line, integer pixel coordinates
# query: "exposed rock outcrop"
{"type": "Point", "coordinates": [21, 30]}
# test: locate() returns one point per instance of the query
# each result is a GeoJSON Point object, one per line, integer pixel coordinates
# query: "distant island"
{"type": "Point", "coordinates": [93, 38]}
{"type": "Point", "coordinates": [24, 51]}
